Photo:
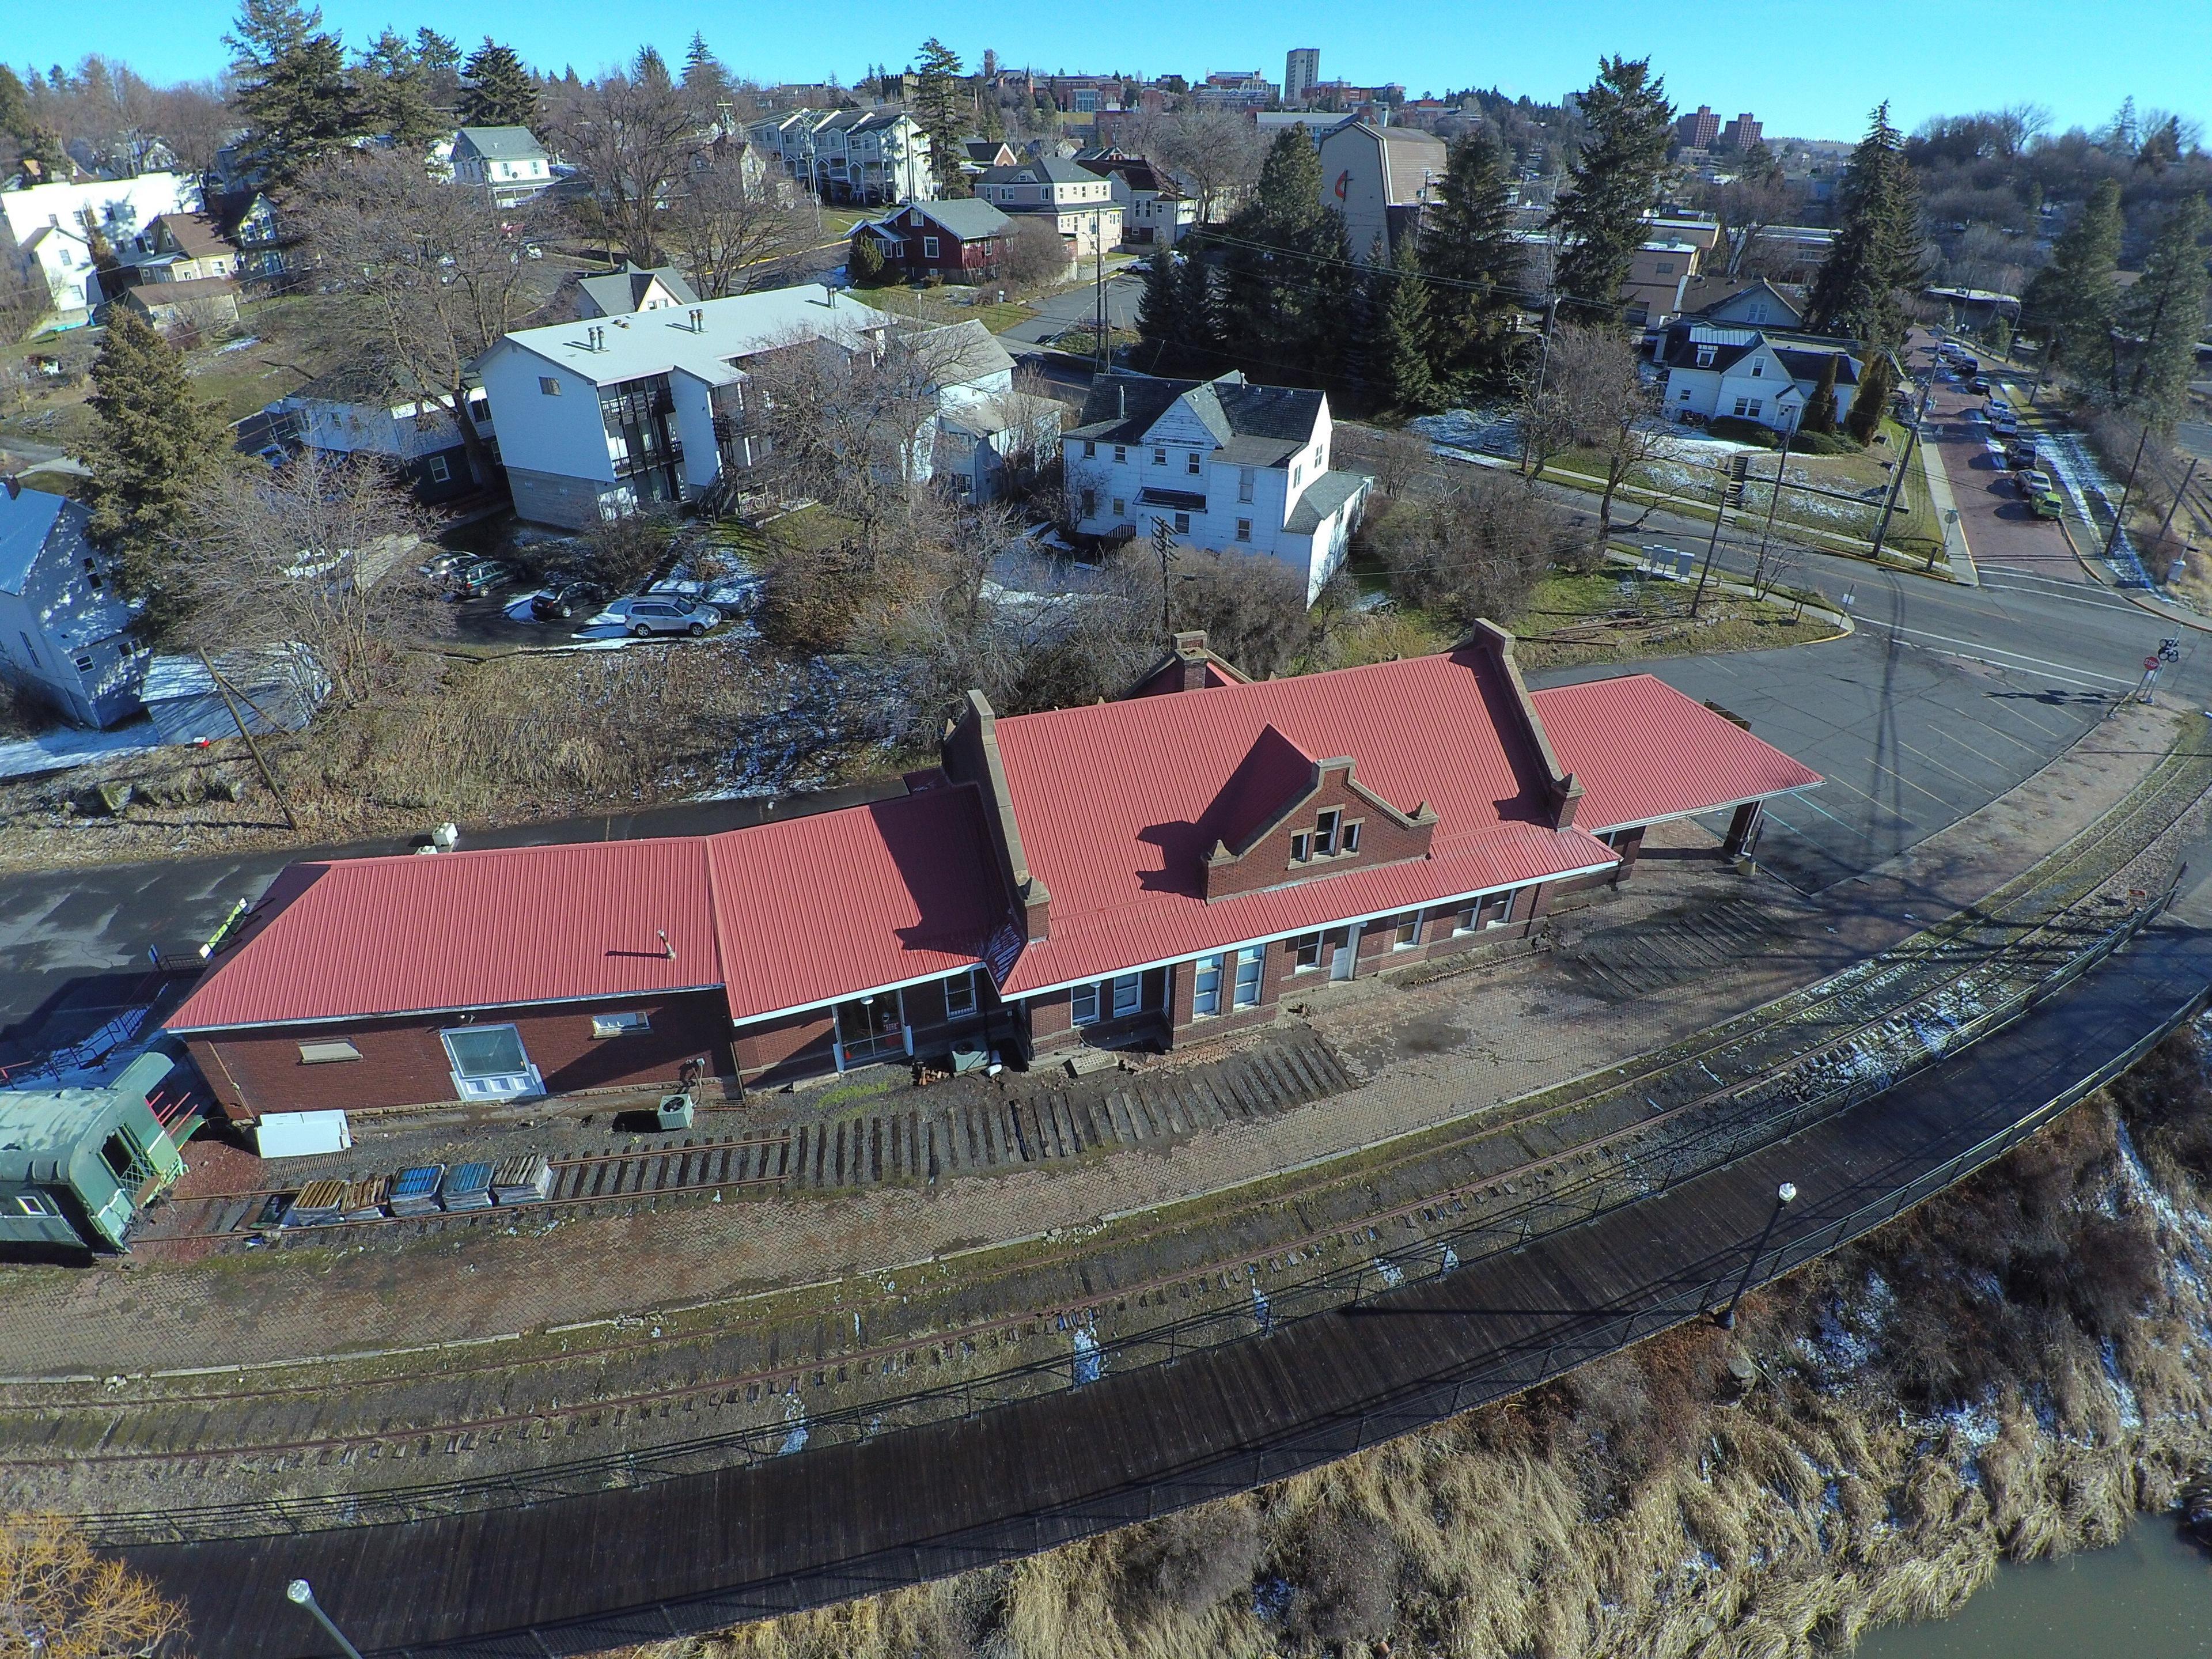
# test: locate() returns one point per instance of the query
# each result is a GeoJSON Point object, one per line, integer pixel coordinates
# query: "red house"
{"type": "Point", "coordinates": [961, 241]}
{"type": "Point", "coordinates": [1160, 868]}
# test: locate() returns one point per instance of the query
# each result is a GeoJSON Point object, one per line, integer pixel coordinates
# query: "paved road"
{"type": "Point", "coordinates": [1077, 307]}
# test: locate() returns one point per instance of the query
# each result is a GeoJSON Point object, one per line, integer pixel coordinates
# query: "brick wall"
{"type": "Point", "coordinates": [1382, 840]}
{"type": "Point", "coordinates": [403, 1063]}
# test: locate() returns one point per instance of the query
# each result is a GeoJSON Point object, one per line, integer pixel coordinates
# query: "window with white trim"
{"type": "Point", "coordinates": [1408, 933]}
{"type": "Point", "coordinates": [1758, 367]}
{"type": "Point", "coordinates": [628, 1022]}
{"type": "Point", "coordinates": [1244, 483]}
{"type": "Point", "coordinates": [960, 995]}
{"type": "Point", "coordinates": [1305, 952]}
{"type": "Point", "coordinates": [490, 1062]}
{"type": "Point", "coordinates": [1121, 454]}
{"type": "Point", "coordinates": [1248, 976]}
{"type": "Point", "coordinates": [1301, 846]}
{"type": "Point", "coordinates": [1324, 832]}
{"type": "Point", "coordinates": [1243, 530]}
{"type": "Point", "coordinates": [1083, 1004]}
{"type": "Point", "coordinates": [1182, 524]}
{"type": "Point", "coordinates": [1159, 456]}
{"type": "Point", "coordinates": [929, 247]}
{"type": "Point", "coordinates": [1194, 463]}
{"type": "Point", "coordinates": [1351, 835]}
{"type": "Point", "coordinates": [1705, 355]}
{"type": "Point", "coordinates": [548, 386]}
{"type": "Point", "coordinates": [441, 470]}
{"type": "Point", "coordinates": [1129, 994]}
{"type": "Point", "coordinates": [1089, 449]}
{"type": "Point", "coordinates": [1120, 507]}
{"type": "Point", "coordinates": [1206, 986]}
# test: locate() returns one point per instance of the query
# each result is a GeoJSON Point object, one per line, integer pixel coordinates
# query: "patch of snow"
{"type": "Point", "coordinates": [2124, 1397]}
{"type": "Point", "coordinates": [794, 1413]}
{"type": "Point", "coordinates": [238, 345]}
{"type": "Point", "coordinates": [1976, 1424]}
{"type": "Point", "coordinates": [1390, 1271]}
{"type": "Point", "coordinates": [67, 746]}
{"type": "Point", "coordinates": [2077, 471]}
{"type": "Point", "coordinates": [1088, 1364]}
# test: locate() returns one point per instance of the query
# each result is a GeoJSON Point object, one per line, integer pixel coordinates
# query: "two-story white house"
{"type": "Point", "coordinates": [508, 161]}
{"type": "Point", "coordinates": [45, 230]}
{"type": "Point", "coordinates": [1081, 202]}
{"type": "Point", "coordinates": [1155, 210]}
{"type": "Point", "coordinates": [1221, 463]}
{"type": "Point", "coordinates": [1714, 369]}
{"type": "Point", "coordinates": [868, 156]}
{"type": "Point", "coordinates": [64, 630]}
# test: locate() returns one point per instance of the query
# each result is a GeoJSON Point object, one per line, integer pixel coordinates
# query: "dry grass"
{"type": "Point", "coordinates": [1645, 1506]}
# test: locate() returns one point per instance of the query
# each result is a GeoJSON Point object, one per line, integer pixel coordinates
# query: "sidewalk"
{"type": "Point", "coordinates": [1955, 550]}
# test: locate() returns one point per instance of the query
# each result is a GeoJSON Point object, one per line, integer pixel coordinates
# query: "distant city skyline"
{"type": "Point", "coordinates": [1808, 70]}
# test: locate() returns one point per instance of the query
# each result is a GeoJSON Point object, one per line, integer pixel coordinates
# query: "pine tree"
{"type": "Point", "coordinates": [1336, 287]}
{"type": "Point", "coordinates": [1599, 221]}
{"type": "Point", "coordinates": [1399, 379]}
{"type": "Point", "coordinates": [156, 443]}
{"type": "Point", "coordinates": [1195, 345]}
{"type": "Point", "coordinates": [2071, 300]}
{"type": "Point", "coordinates": [1468, 245]}
{"type": "Point", "coordinates": [267, 30]}
{"type": "Point", "coordinates": [1158, 322]}
{"type": "Point", "coordinates": [396, 92]}
{"type": "Point", "coordinates": [2155, 347]}
{"type": "Point", "coordinates": [1875, 257]}
{"type": "Point", "coordinates": [705, 82]}
{"type": "Point", "coordinates": [1820, 408]}
{"type": "Point", "coordinates": [499, 91]}
{"type": "Point", "coordinates": [299, 100]}
{"type": "Point", "coordinates": [865, 265]}
{"type": "Point", "coordinates": [942, 107]}
{"type": "Point", "coordinates": [1868, 403]}
{"type": "Point", "coordinates": [1268, 281]}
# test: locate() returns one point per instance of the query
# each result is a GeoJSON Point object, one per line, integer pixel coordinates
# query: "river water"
{"type": "Point", "coordinates": [2148, 1597]}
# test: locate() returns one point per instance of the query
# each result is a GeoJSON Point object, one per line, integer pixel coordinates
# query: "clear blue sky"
{"type": "Point", "coordinates": [1807, 68]}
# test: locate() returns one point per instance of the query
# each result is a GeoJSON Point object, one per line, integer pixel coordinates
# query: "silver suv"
{"type": "Point", "coordinates": [670, 613]}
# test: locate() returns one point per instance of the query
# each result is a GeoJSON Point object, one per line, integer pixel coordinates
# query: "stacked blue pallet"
{"type": "Point", "coordinates": [468, 1187]}
{"type": "Point", "coordinates": [414, 1192]}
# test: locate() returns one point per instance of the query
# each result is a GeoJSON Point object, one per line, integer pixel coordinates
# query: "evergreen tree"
{"type": "Point", "coordinates": [2071, 300]}
{"type": "Point", "coordinates": [1820, 408]}
{"type": "Point", "coordinates": [650, 69]}
{"type": "Point", "coordinates": [1876, 381]}
{"type": "Point", "coordinates": [1268, 317]}
{"type": "Point", "coordinates": [705, 82]}
{"type": "Point", "coordinates": [1336, 288]}
{"type": "Point", "coordinates": [2155, 347]}
{"type": "Point", "coordinates": [300, 102]}
{"type": "Point", "coordinates": [396, 92]}
{"type": "Point", "coordinates": [1467, 246]}
{"type": "Point", "coordinates": [1875, 257]}
{"type": "Point", "coordinates": [499, 91]}
{"type": "Point", "coordinates": [942, 108]}
{"type": "Point", "coordinates": [1158, 322]}
{"type": "Point", "coordinates": [1195, 345]}
{"type": "Point", "coordinates": [157, 442]}
{"type": "Point", "coordinates": [441, 61]}
{"type": "Point", "coordinates": [1399, 378]}
{"type": "Point", "coordinates": [1599, 221]}
{"type": "Point", "coordinates": [865, 265]}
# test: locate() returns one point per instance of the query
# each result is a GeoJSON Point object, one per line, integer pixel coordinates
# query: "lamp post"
{"type": "Point", "coordinates": [300, 1595]}
{"type": "Point", "coordinates": [1784, 1195]}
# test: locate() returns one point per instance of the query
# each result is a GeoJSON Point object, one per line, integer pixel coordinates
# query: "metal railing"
{"type": "Point", "coordinates": [1744, 1121]}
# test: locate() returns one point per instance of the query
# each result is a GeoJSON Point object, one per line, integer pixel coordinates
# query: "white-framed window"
{"type": "Point", "coordinates": [1758, 368]}
{"type": "Point", "coordinates": [1159, 456]}
{"type": "Point", "coordinates": [960, 995]}
{"type": "Point", "coordinates": [929, 247]}
{"type": "Point", "coordinates": [1301, 846]}
{"type": "Point", "coordinates": [629, 1021]}
{"type": "Point", "coordinates": [1206, 986]}
{"type": "Point", "coordinates": [1182, 524]}
{"type": "Point", "coordinates": [1351, 835]}
{"type": "Point", "coordinates": [1244, 483]}
{"type": "Point", "coordinates": [1243, 530]}
{"type": "Point", "coordinates": [1705, 355]}
{"type": "Point", "coordinates": [1083, 1004]}
{"type": "Point", "coordinates": [1305, 953]}
{"type": "Point", "coordinates": [1493, 910]}
{"type": "Point", "coordinates": [1089, 449]}
{"type": "Point", "coordinates": [328, 1053]}
{"type": "Point", "coordinates": [1326, 831]}
{"type": "Point", "coordinates": [1193, 463]}
{"type": "Point", "coordinates": [1407, 933]}
{"type": "Point", "coordinates": [1294, 478]}
{"type": "Point", "coordinates": [1685, 397]}
{"type": "Point", "coordinates": [1128, 994]}
{"type": "Point", "coordinates": [548, 386]}
{"type": "Point", "coordinates": [490, 1062]}
{"type": "Point", "coordinates": [1247, 991]}
{"type": "Point", "coordinates": [1121, 508]}
{"type": "Point", "coordinates": [1121, 454]}
{"type": "Point", "coordinates": [441, 470]}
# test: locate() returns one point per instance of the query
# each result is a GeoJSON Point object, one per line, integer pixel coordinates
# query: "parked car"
{"type": "Point", "coordinates": [2021, 454]}
{"type": "Point", "coordinates": [1966, 364]}
{"type": "Point", "coordinates": [2039, 493]}
{"type": "Point", "coordinates": [566, 601]}
{"type": "Point", "coordinates": [670, 613]}
{"type": "Point", "coordinates": [1977, 384]}
{"type": "Point", "coordinates": [478, 577]}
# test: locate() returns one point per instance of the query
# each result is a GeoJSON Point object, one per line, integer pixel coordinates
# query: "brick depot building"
{"type": "Point", "coordinates": [1166, 867]}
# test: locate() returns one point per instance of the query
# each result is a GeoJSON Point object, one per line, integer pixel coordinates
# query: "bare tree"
{"type": "Point", "coordinates": [634, 139]}
{"type": "Point", "coordinates": [1597, 393]}
{"type": "Point", "coordinates": [60, 1600]}
{"type": "Point", "coordinates": [1038, 255]}
{"type": "Point", "coordinates": [733, 234]}
{"type": "Point", "coordinates": [436, 274]}
{"type": "Point", "coordinates": [1215, 154]}
{"type": "Point", "coordinates": [312, 555]}
{"type": "Point", "coordinates": [1477, 550]}
{"type": "Point", "coordinates": [1253, 608]}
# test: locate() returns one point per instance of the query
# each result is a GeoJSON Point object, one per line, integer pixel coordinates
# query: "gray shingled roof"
{"type": "Point", "coordinates": [1264, 425]}
{"type": "Point", "coordinates": [1322, 497]}
{"type": "Point", "coordinates": [503, 143]}
{"type": "Point", "coordinates": [621, 292]}
{"type": "Point", "coordinates": [963, 215]}
{"type": "Point", "coordinates": [1058, 169]}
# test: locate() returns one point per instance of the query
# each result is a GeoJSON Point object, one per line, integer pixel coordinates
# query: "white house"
{"type": "Point", "coordinates": [1221, 463]}
{"type": "Point", "coordinates": [509, 162]}
{"type": "Point", "coordinates": [348, 413]}
{"type": "Point", "coordinates": [982, 422]}
{"type": "Point", "coordinates": [1155, 209]}
{"type": "Point", "coordinates": [1080, 202]}
{"type": "Point", "coordinates": [1379, 178]}
{"type": "Point", "coordinates": [633, 289]}
{"type": "Point", "coordinates": [863, 156]}
{"type": "Point", "coordinates": [64, 631]}
{"type": "Point", "coordinates": [119, 208]}
{"type": "Point", "coordinates": [1749, 373]}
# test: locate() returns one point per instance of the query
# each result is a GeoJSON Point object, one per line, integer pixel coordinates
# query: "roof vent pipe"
{"type": "Point", "coordinates": [1121, 402]}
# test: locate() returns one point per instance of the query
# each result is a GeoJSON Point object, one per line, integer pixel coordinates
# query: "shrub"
{"type": "Point", "coordinates": [1190, 1562]}
{"type": "Point", "coordinates": [1348, 1591]}
{"type": "Point", "coordinates": [1736, 429]}
{"type": "Point", "coordinates": [1826, 443]}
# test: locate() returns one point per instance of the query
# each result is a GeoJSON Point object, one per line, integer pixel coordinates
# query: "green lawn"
{"type": "Point", "coordinates": [948, 305]}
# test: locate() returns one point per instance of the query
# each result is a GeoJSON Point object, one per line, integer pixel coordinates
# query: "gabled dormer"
{"type": "Point", "coordinates": [1284, 816]}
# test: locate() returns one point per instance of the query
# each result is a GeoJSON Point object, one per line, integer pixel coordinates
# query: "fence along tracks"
{"type": "Point", "coordinates": [1873, 1022]}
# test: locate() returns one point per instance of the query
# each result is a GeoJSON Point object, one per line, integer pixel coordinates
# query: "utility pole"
{"type": "Point", "coordinates": [1163, 543]}
{"type": "Point", "coordinates": [1897, 478]}
{"type": "Point", "coordinates": [1738, 468]}
{"type": "Point", "coordinates": [300, 1595]}
{"type": "Point", "coordinates": [1098, 248]}
{"type": "Point", "coordinates": [223, 689]}
{"type": "Point", "coordinates": [2120, 515]}
{"type": "Point", "coordinates": [1543, 366]}
{"type": "Point", "coordinates": [1781, 469]}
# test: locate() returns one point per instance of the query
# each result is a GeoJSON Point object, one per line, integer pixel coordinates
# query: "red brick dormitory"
{"type": "Point", "coordinates": [1165, 866]}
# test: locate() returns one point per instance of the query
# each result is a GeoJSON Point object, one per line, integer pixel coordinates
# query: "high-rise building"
{"type": "Point", "coordinates": [1743, 132]}
{"type": "Point", "coordinates": [1698, 131]}
{"type": "Point", "coordinates": [1301, 68]}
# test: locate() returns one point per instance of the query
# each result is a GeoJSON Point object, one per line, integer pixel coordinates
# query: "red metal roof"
{"type": "Point", "coordinates": [1116, 802]}
{"type": "Point", "coordinates": [1643, 752]}
{"type": "Point", "coordinates": [465, 930]}
{"type": "Point", "coordinates": [814, 909]}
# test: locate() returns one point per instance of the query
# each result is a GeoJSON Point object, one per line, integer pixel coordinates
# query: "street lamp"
{"type": "Point", "coordinates": [300, 1595]}
{"type": "Point", "coordinates": [1784, 1195]}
